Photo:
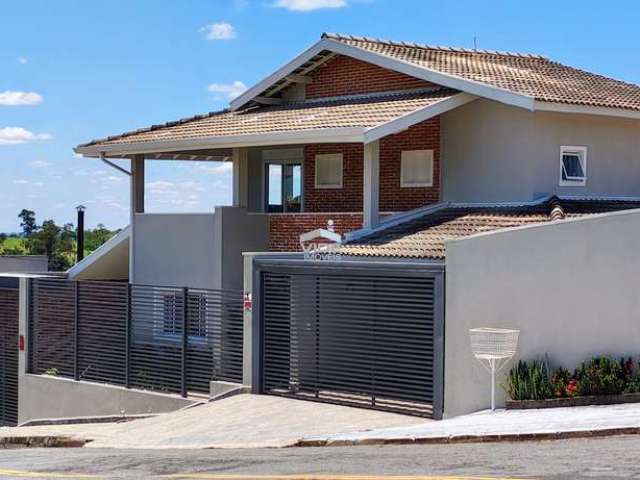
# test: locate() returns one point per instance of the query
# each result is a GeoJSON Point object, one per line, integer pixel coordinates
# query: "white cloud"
{"type": "Point", "coordinates": [20, 181]}
{"type": "Point", "coordinates": [219, 168]}
{"type": "Point", "coordinates": [23, 60]}
{"type": "Point", "coordinates": [10, 98]}
{"type": "Point", "coordinates": [309, 5]}
{"type": "Point", "coordinates": [39, 164]}
{"type": "Point", "coordinates": [15, 135]}
{"type": "Point", "coordinates": [219, 31]}
{"type": "Point", "coordinates": [231, 90]}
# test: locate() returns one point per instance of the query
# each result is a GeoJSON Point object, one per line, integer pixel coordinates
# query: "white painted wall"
{"type": "Point", "coordinates": [494, 152]}
{"type": "Point", "coordinates": [572, 288]}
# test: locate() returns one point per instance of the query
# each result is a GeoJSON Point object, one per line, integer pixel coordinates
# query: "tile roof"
{"type": "Point", "coordinates": [425, 237]}
{"type": "Point", "coordinates": [354, 111]}
{"type": "Point", "coordinates": [530, 75]}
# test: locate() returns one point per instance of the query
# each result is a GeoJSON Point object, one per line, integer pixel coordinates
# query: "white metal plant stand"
{"type": "Point", "coordinates": [493, 347]}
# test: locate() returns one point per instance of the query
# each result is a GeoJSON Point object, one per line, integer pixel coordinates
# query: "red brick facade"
{"type": "Point", "coordinates": [285, 228]}
{"type": "Point", "coordinates": [348, 76]}
{"type": "Point", "coordinates": [393, 197]}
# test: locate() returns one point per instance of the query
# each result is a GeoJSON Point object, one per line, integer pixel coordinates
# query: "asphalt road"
{"type": "Point", "coordinates": [613, 457]}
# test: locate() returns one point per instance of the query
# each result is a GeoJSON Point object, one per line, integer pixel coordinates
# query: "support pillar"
{"type": "Point", "coordinates": [240, 159]}
{"type": "Point", "coordinates": [136, 205]}
{"type": "Point", "coordinates": [370, 203]}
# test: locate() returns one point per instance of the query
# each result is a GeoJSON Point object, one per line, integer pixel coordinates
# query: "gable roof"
{"type": "Point", "coordinates": [529, 81]}
{"type": "Point", "coordinates": [425, 237]}
{"type": "Point", "coordinates": [355, 118]}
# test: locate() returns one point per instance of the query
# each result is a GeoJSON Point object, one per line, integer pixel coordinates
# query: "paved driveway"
{"type": "Point", "coordinates": [242, 421]}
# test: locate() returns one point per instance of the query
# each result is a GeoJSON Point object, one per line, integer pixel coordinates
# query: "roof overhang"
{"type": "Point", "coordinates": [179, 149]}
{"type": "Point", "coordinates": [477, 89]}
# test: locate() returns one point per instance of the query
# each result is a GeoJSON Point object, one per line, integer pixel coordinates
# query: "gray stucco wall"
{"type": "Point", "coordinates": [494, 152]}
{"type": "Point", "coordinates": [197, 250]}
{"type": "Point", "coordinates": [23, 263]}
{"type": "Point", "coordinates": [174, 250]}
{"type": "Point", "coordinates": [43, 397]}
{"type": "Point", "coordinates": [570, 287]}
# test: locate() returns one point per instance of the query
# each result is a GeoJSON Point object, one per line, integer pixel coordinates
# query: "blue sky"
{"type": "Point", "coordinates": [74, 70]}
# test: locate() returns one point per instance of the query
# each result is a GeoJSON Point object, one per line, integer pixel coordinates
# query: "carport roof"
{"type": "Point", "coordinates": [424, 237]}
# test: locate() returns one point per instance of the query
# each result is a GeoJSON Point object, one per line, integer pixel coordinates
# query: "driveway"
{"type": "Point", "coordinates": [242, 421]}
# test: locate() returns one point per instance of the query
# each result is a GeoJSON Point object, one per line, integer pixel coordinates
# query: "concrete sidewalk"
{"type": "Point", "coordinates": [242, 421]}
{"type": "Point", "coordinates": [501, 425]}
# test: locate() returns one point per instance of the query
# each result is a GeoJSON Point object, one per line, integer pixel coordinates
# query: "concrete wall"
{"type": "Point", "coordinates": [174, 250]}
{"type": "Point", "coordinates": [23, 263]}
{"type": "Point", "coordinates": [570, 287]}
{"type": "Point", "coordinates": [197, 250]}
{"type": "Point", "coordinates": [43, 397]}
{"type": "Point", "coordinates": [493, 152]}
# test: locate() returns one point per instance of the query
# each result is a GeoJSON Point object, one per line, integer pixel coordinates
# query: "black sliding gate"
{"type": "Point", "coordinates": [8, 351]}
{"type": "Point", "coordinates": [362, 335]}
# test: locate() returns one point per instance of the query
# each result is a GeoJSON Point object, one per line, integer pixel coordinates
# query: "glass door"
{"type": "Point", "coordinates": [283, 187]}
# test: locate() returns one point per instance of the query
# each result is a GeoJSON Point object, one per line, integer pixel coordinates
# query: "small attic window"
{"type": "Point", "coordinates": [573, 166]}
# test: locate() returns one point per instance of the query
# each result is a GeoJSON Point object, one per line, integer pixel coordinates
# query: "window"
{"type": "Point", "coordinates": [329, 170]}
{"type": "Point", "coordinates": [416, 168]}
{"type": "Point", "coordinates": [573, 166]}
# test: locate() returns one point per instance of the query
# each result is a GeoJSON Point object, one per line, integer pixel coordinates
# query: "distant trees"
{"type": "Point", "coordinates": [58, 243]}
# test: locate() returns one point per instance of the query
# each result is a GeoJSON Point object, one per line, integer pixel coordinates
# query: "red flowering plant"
{"type": "Point", "coordinates": [563, 383]}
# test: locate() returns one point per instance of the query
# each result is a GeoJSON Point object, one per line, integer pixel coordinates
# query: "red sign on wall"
{"type": "Point", "coordinates": [248, 302]}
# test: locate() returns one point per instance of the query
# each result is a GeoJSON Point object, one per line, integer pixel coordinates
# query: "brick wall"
{"type": "Point", "coordinates": [285, 228]}
{"type": "Point", "coordinates": [422, 136]}
{"type": "Point", "coordinates": [345, 199]}
{"type": "Point", "coordinates": [393, 198]}
{"type": "Point", "coordinates": [348, 76]}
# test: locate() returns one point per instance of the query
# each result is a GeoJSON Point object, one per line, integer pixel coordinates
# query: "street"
{"type": "Point", "coordinates": [601, 458]}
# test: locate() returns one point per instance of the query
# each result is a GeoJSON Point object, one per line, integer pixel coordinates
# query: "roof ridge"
{"type": "Point", "coordinates": [424, 46]}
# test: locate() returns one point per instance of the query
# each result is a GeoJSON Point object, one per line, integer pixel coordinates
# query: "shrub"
{"type": "Point", "coordinates": [603, 376]}
{"type": "Point", "coordinates": [563, 383]}
{"type": "Point", "coordinates": [529, 381]}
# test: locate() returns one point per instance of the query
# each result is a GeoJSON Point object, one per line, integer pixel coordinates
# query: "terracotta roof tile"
{"type": "Point", "coordinates": [425, 237]}
{"type": "Point", "coordinates": [531, 75]}
{"type": "Point", "coordinates": [356, 111]}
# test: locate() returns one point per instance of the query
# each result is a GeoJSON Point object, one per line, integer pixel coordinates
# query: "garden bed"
{"type": "Point", "coordinates": [580, 401]}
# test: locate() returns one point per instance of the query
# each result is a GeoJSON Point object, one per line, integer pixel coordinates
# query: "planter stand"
{"type": "Point", "coordinates": [574, 401]}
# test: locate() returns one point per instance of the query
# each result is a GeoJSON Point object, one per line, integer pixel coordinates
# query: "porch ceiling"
{"type": "Point", "coordinates": [361, 118]}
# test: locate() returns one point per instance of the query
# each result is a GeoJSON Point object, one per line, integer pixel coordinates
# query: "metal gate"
{"type": "Point", "coordinates": [8, 352]}
{"type": "Point", "coordinates": [366, 336]}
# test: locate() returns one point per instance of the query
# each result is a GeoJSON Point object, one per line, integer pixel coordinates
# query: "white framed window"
{"type": "Point", "coordinates": [573, 166]}
{"type": "Point", "coordinates": [329, 170]}
{"type": "Point", "coordinates": [416, 168]}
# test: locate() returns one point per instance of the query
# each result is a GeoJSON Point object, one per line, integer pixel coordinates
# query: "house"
{"type": "Point", "coordinates": [508, 181]}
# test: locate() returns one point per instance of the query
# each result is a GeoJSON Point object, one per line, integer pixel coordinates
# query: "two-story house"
{"type": "Point", "coordinates": [496, 178]}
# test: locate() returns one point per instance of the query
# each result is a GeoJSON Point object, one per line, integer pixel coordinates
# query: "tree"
{"type": "Point", "coordinates": [28, 223]}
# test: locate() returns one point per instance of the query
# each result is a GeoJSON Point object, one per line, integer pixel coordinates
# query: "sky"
{"type": "Point", "coordinates": [72, 71]}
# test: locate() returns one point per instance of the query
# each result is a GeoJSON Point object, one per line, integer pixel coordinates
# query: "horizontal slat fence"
{"type": "Point", "coordinates": [361, 340]}
{"type": "Point", "coordinates": [8, 356]}
{"type": "Point", "coordinates": [167, 339]}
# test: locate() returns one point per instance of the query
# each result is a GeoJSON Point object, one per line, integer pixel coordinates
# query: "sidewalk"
{"type": "Point", "coordinates": [501, 425]}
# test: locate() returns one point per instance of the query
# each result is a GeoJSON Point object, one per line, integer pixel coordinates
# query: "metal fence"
{"type": "Point", "coordinates": [150, 337]}
{"type": "Point", "coordinates": [8, 356]}
{"type": "Point", "coordinates": [362, 338]}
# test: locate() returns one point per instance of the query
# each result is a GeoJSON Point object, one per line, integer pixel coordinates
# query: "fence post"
{"type": "Point", "coordinates": [127, 352]}
{"type": "Point", "coordinates": [76, 314]}
{"type": "Point", "coordinates": [185, 323]}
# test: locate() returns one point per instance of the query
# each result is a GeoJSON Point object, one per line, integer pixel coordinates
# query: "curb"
{"type": "Point", "coordinates": [45, 441]}
{"type": "Point", "coordinates": [84, 420]}
{"type": "Point", "coordinates": [452, 439]}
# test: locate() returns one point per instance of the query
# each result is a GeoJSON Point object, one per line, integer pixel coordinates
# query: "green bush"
{"type": "Point", "coordinates": [529, 381]}
{"type": "Point", "coordinates": [603, 376]}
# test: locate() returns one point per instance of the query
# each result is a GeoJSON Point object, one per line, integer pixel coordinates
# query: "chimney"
{"type": "Point", "coordinates": [80, 233]}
